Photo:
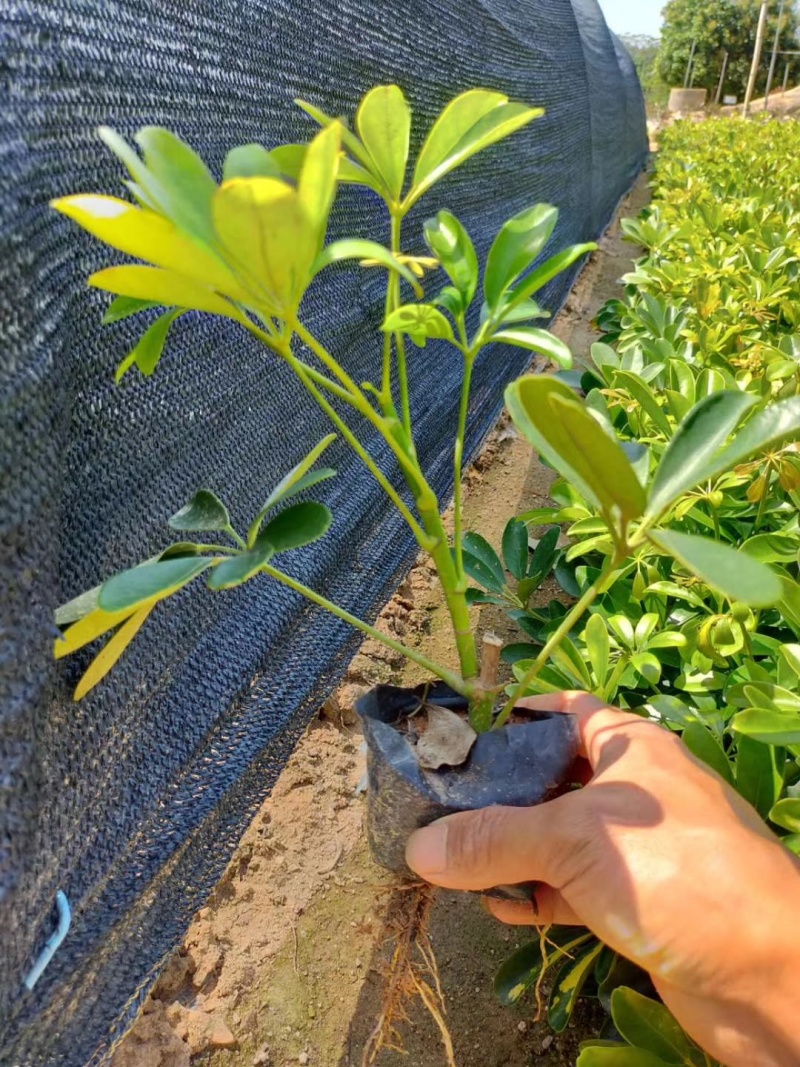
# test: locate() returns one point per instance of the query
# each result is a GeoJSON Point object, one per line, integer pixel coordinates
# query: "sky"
{"type": "Point", "coordinates": [633, 16]}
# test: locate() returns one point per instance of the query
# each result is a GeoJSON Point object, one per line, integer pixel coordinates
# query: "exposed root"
{"type": "Point", "coordinates": [537, 992]}
{"type": "Point", "coordinates": [412, 972]}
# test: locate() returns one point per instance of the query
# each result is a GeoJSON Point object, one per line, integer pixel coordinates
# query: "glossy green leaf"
{"type": "Point", "coordinates": [521, 970]}
{"type": "Point", "coordinates": [768, 428]}
{"type": "Point", "coordinates": [471, 122]}
{"type": "Point", "coordinates": [250, 161]}
{"type": "Point", "coordinates": [148, 351]}
{"type": "Point", "coordinates": [598, 647]}
{"type": "Point", "coordinates": [383, 122]}
{"type": "Point", "coordinates": [732, 573]}
{"type": "Point", "coordinates": [534, 340]}
{"type": "Point", "coordinates": [647, 1024]}
{"type": "Point", "coordinates": [122, 307]}
{"type": "Point", "coordinates": [298, 526]}
{"type": "Point", "coordinates": [515, 548]}
{"type": "Point", "coordinates": [205, 511]}
{"type": "Point", "coordinates": [480, 549]}
{"type": "Point", "coordinates": [517, 245]}
{"type": "Point", "coordinates": [145, 183]}
{"type": "Point", "coordinates": [571, 440]}
{"type": "Point", "coordinates": [523, 312]}
{"type": "Point", "coordinates": [544, 555]}
{"type": "Point", "coordinates": [599, 1056]}
{"type": "Point", "coordinates": [242, 567]}
{"type": "Point", "coordinates": [759, 775]}
{"type": "Point", "coordinates": [568, 985]}
{"type": "Point", "coordinates": [421, 322]}
{"type": "Point", "coordinates": [786, 814]}
{"type": "Point", "coordinates": [158, 579]}
{"type": "Point", "coordinates": [550, 269]}
{"type": "Point", "coordinates": [702, 743]}
{"type": "Point", "coordinates": [448, 240]}
{"type": "Point", "coordinates": [690, 453]}
{"type": "Point", "coordinates": [768, 727]}
{"type": "Point", "coordinates": [300, 477]}
{"type": "Point", "coordinates": [645, 396]}
{"type": "Point", "coordinates": [316, 186]}
{"type": "Point", "coordinates": [111, 652]}
{"type": "Point", "coordinates": [354, 248]}
{"type": "Point", "coordinates": [772, 548]}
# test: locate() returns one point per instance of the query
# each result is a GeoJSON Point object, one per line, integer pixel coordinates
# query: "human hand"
{"type": "Point", "coordinates": [663, 861]}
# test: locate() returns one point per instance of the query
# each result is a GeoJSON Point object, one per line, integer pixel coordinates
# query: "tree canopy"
{"type": "Point", "coordinates": [719, 26]}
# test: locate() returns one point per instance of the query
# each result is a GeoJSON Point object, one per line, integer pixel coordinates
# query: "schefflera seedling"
{"type": "Point", "coordinates": [248, 249]}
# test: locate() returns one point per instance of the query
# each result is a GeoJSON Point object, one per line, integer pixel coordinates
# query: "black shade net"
{"type": "Point", "coordinates": [132, 802]}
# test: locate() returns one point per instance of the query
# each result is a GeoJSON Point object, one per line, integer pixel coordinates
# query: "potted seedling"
{"type": "Point", "coordinates": [248, 249]}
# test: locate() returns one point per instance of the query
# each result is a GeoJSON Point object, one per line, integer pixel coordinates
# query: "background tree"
{"type": "Point", "coordinates": [645, 52]}
{"type": "Point", "coordinates": [719, 26]}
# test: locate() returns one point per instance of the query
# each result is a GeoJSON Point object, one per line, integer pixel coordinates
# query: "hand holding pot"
{"type": "Point", "coordinates": [662, 860]}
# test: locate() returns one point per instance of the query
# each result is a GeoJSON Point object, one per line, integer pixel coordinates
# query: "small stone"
{"type": "Point", "coordinates": [522, 1026]}
{"type": "Point", "coordinates": [311, 1013]}
{"type": "Point", "coordinates": [220, 1035]}
{"type": "Point", "coordinates": [547, 1042]}
{"type": "Point", "coordinates": [303, 1059]}
{"type": "Point", "coordinates": [262, 1058]}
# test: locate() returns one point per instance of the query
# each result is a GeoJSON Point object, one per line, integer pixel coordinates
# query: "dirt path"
{"type": "Point", "coordinates": [284, 966]}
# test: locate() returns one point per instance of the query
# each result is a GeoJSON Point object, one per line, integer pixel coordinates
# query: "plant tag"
{"type": "Point", "coordinates": [447, 742]}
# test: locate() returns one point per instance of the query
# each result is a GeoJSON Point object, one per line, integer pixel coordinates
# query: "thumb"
{"type": "Point", "coordinates": [478, 850]}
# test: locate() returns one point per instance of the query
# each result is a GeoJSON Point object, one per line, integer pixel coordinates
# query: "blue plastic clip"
{"type": "Point", "coordinates": [53, 943]}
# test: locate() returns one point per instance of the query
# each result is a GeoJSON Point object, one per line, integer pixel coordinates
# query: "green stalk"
{"type": "Point", "coordinates": [605, 580]}
{"type": "Point", "coordinates": [762, 504]}
{"type": "Point", "coordinates": [613, 681]}
{"type": "Point", "coordinates": [423, 540]}
{"type": "Point", "coordinates": [436, 542]}
{"type": "Point", "coordinates": [399, 340]}
{"type": "Point", "coordinates": [449, 677]}
{"type": "Point", "coordinates": [458, 459]}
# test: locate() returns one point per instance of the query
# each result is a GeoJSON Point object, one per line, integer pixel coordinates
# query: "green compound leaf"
{"type": "Point", "coordinates": [422, 322]}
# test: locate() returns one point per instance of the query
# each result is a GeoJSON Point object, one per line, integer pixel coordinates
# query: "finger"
{"type": "Point", "coordinates": [551, 910]}
{"type": "Point", "coordinates": [498, 846]}
{"type": "Point", "coordinates": [598, 723]}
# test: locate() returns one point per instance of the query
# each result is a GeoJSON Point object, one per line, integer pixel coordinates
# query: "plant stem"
{"type": "Point", "coordinates": [458, 460]}
{"type": "Point", "coordinates": [423, 540]}
{"type": "Point", "coordinates": [762, 504]}
{"type": "Point", "coordinates": [399, 340]}
{"type": "Point", "coordinates": [458, 684]}
{"type": "Point", "coordinates": [605, 580]}
{"type": "Point", "coordinates": [612, 683]}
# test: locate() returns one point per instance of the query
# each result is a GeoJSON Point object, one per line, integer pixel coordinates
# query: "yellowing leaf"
{"type": "Point", "coordinates": [105, 660]}
{"type": "Point", "coordinates": [383, 122]}
{"type": "Point", "coordinates": [148, 236]}
{"type": "Point", "coordinates": [266, 229]}
{"type": "Point", "coordinates": [163, 287]}
{"type": "Point", "coordinates": [87, 629]}
{"type": "Point", "coordinates": [317, 185]}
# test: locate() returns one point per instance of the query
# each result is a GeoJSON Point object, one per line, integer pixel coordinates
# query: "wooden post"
{"type": "Point", "coordinates": [774, 60]}
{"type": "Point", "coordinates": [751, 85]}
{"type": "Point", "coordinates": [786, 77]}
{"type": "Point", "coordinates": [722, 76]}
{"type": "Point", "coordinates": [490, 660]}
{"type": "Point", "coordinates": [690, 65]}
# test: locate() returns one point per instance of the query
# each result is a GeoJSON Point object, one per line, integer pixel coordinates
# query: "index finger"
{"type": "Point", "coordinates": [597, 722]}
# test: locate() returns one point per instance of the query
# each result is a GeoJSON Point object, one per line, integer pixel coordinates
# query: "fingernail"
{"type": "Point", "coordinates": [426, 851]}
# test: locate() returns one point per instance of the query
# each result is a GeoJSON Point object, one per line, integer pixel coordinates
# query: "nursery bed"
{"type": "Point", "coordinates": [283, 966]}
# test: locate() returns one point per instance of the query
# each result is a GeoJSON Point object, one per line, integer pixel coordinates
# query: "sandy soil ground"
{"type": "Point", "coordinates": [284, 965]}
